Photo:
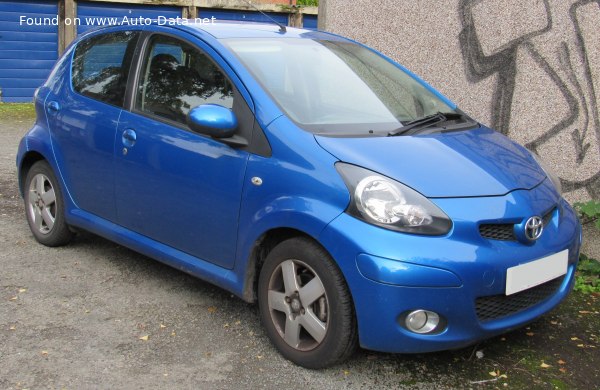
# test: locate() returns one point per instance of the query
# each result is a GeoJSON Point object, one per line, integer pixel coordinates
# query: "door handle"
{"type": "Point", "coordinates": [53, 107]}
{"type": "Point", "coordinates": [128, 138]}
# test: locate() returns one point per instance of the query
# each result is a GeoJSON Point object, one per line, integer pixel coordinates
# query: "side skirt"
{"type": "Point", "coordinates": [202, 269]}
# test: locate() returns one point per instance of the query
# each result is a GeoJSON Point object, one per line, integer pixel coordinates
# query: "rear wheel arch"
{"type": "Point", "coordinates": [44, 205]}
{"type": "Point", "coordinates": [27, 162]}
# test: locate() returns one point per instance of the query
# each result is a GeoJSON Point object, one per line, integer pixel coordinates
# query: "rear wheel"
{"type": "Point", "coordinates": [305, 305]}
{"type": "Point", "coordinates": [44, 206]}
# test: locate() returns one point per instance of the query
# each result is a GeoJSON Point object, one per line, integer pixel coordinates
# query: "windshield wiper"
{"type": "Point", "coordinates": [424, 122]}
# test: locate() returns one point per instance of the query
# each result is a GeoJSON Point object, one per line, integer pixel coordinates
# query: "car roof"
{"type": "Point", "coordinates": [235, 29]}
{"type": "Point", "coordinates": [225, 29]}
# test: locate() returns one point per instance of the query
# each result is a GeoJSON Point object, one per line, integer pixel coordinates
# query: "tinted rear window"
{"type": "Point", "coordinates": [101, 66]}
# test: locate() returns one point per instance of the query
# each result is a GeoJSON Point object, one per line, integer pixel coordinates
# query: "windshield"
{"type": "Point", "coordinates": [334, 87]}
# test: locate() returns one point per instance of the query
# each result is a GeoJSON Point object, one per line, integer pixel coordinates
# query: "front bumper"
{"type": "Point", "coordinates": [390, 274]}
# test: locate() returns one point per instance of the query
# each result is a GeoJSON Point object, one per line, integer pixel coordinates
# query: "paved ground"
{"type": "Point", "coordinates": [73, 318]}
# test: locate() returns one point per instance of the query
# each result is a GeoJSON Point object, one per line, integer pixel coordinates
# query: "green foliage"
{"type": "Point", "coordinates": [589, 212]}
{"type": "Point", "coordinates": [587, 278]}
{"type": "Point", "coordinates": [312, 3]}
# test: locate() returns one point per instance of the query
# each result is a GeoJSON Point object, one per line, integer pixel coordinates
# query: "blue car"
{"type": "Point", "coordinates": [303, 171]}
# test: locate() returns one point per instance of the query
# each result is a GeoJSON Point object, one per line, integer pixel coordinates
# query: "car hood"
{"type": "Point", "coordinates": [479, 162]}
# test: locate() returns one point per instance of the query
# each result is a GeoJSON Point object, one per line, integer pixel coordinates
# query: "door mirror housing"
{"type": "Point", "coordinates": [213, 120]}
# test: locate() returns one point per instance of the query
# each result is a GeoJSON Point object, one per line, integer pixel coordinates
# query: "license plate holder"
{"type": "Point", "coordinates": [534, 273]}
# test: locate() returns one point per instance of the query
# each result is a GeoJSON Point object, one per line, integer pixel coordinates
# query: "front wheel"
{"type": "Point", "coordinates": [305, 305]}
{"type": "Point", "coordinates": [44, 206]}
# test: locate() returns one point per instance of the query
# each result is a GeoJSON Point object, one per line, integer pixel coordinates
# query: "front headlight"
{"type": "Point", "coordinates": [384, 202]}
{"type": "Point", "coordinates": [549, 172]}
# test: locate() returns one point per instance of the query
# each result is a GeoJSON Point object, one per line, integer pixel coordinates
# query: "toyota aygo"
{"type": "Point", "coordinates": [303, 171]}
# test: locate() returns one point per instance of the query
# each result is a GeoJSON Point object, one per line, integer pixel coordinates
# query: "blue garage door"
{"type": "Point", "coordinates": [249, 16]}
{"type": "Point", "coordinates": [27, 53]}
{"type": "Point", "coordinates": [93, 14]}
{"type": "Point", "coordinates": [310, 22]}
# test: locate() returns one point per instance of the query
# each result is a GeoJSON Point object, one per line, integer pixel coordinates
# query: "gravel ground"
{"type": "Point", "coordinates": [77, 317]}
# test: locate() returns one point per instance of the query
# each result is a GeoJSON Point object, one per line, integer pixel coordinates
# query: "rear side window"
{"type": "Point", "coordinates": [101, 65]}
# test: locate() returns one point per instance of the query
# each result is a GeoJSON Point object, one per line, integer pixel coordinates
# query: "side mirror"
{"type": "Point", "coordinates": [213, 120]}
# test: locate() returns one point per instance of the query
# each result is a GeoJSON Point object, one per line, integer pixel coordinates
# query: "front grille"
{"type": "Point", "coordinates": [505, 231]}
{"type": "Point", "coordinates": [498, 231]}
{"type": "Point", "coordinates": [498, 306]}
{"type": "Point", "coordinates": [548, 216]}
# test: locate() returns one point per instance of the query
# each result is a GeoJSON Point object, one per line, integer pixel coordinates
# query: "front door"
{"type": "Point", "coordinates": [172, 185]}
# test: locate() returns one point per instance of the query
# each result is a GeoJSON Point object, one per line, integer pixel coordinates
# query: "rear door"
{"type": "Point", "coordinates": [175, 186]}
{"type": "Point", "coordinates": [83, 115]}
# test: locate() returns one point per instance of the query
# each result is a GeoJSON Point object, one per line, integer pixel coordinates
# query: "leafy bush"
{"type": "Point", "coordinates": [587, 278]}
{"type": "Point", "coordinates": [589, 212]}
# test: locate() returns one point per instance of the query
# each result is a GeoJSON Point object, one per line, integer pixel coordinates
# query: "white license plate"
{"type": "Point", "coordinates": [536, 272]}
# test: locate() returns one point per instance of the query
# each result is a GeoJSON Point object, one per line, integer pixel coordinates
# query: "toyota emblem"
{"type": "Point", "coordinates": [533, 228]}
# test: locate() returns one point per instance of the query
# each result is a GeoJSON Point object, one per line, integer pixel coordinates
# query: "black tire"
{"type": "Point", "coordinates": [331, 314]}
{"type": "Point", "coordinates": [44, 206]}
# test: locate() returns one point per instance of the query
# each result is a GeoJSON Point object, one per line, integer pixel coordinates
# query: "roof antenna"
{"type": "Point", "coordinates": [282, 28]}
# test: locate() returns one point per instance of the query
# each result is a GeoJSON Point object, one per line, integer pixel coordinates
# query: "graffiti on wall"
{"type": "Point", "coordinates": [546, 87]}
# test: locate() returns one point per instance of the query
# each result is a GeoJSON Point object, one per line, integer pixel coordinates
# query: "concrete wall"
{"type": "Point", "coordinates": [528, 68]}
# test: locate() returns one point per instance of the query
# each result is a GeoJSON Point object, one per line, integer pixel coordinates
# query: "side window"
{"type": "Point", "coordinates": [101, 66]}
{"type": "Point", "coordinates": [177, 77]}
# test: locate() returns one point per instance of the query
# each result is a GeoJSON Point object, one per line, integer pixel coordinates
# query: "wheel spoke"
{"type": "Point", "coordinates": [48, 218]}
{"type": "Point", "coordinates": [32, 198]}
{"type": "Point", "coordinates": [292, 332]}
{"type": "Point", "coordinates": [290, 280]}
{"type": "Point", "coordinates": [311, 292]}
{"type": "Point", "coordinates": [37, 218]}
{"type": "Point", "coordinates": [277, 302]}
{"type": "Point", "coordinates": [315, 327]}
{"type": "Point", "coordinates": [39, 184]}
{"type": "Point", "coordinates": [49, 197]}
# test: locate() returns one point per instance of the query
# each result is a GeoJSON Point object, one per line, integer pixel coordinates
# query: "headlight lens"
{"type": "Point", "coordinates": [549, 172]}
{"type": "Point", "coordinates": [387, 203]}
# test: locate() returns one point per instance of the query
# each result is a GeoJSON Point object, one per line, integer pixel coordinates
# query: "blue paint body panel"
{"type": "Point", "coordinates": [401, 273]}
{"type": "Point", "coordinates": [198, 200]}
{"type": "Point", "coordinates": [496, 165]}
{"type": "Point", "coordinates": [188, 200]}
{"type": "Point", "coordinates": [27, 52]}
{"type": "Point", "coordinates": [214, 116]}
